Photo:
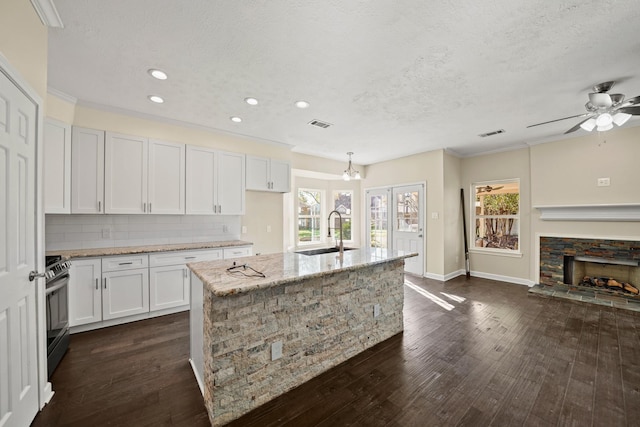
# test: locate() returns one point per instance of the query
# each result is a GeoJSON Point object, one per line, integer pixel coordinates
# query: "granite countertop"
{"type": "Point", "coordinates": [129, 250]}
{"type": "Point", "coordinates": [284, 268]}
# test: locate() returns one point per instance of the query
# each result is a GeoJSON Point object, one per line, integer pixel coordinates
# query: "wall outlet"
{"type": "Point", "coordinates": [268, 229]}
{"type": "Point", "coordinates": [106, 233]}
{"type": "Point", "coordinates": [276, 350]}
{"type": "Point", "coordinates": [244, 229]}
{"type": "Point", "coordinates": [225, 228]}
{"type": "Point", "coordinates": [376, 310]}
{"type": "Point", "coordinates": [604, 182]}
{"type": "Point", "coordinates": [434, 215]}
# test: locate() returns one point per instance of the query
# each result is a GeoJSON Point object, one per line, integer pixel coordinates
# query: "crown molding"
{"type": "Point", "coordinates": [48, 13]}
{"type": "Point", "coordinates": [59, 94]}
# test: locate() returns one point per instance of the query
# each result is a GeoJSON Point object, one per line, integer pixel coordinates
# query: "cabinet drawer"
{"type": "Point", "coordinates": [126, 262]}
{"type": "Point", "coordinates": [183, 257]}
{"type": "Point", "coordinates": [238, 252]}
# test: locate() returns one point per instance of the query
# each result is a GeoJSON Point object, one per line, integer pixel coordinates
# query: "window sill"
{"type": "Point", "coordinates": [513, 254]}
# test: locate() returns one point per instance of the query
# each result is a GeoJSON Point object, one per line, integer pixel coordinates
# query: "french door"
{"type": "Point", "coordinates": [395, 220]}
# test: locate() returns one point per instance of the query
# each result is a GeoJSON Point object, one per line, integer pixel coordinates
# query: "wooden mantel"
{"type": "Point", "coordinates": [613, 212]}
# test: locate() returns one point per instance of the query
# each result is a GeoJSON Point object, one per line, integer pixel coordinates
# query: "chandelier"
{"type": "Point", "coordinates": [350, 172]}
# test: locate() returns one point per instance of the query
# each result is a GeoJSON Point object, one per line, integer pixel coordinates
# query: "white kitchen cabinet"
{"type": "Point", "coordinates": [166, 178]}
{"type": "Point", "coordinates": [87, 171]}
{"type": "Point", "coordinates": [125, 174]}
{"type": "Point", "coordinates": [265, 174]}
{"type": "Point", "coordinates": [85, 292]}
{"type": "Point", "coordinates": [237, 252]}
{"type": "Point", "coordinates": [169, 278]}
{"type": "Point", "coordinates": [215, 182]}
{"type": "Point", "coordinates": [125, 293]}
{"type": "Point", "coordinates": [143, 176]}
{"type": "Point", "coordinates": [57, 167]}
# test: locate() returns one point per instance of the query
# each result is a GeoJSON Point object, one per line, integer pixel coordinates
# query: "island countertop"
{"type": "Point", "coordinates": [284, 268]}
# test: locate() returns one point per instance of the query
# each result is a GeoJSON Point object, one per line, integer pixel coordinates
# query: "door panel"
{"type": "Point", "coordinates": [408, 209]}
{"type": "Point", "coordinates": [231, 183]}
{"type": "Point", "coordinates": [201, 180]}
{"type": "Point", "coordinates": [18, 328]}
{"type": "Point", "coordinates": [378, 218]}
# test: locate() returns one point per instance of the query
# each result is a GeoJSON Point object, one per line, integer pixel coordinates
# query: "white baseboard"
{"type": "Point", "coordinates": [482, 275]}
{"type": "Point", "coordinates": [128, 319]}
{"type": "Point", "coordinates": [197, 375]}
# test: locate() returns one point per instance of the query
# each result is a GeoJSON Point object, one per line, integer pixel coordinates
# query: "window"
{"type": "Point", "coordinates": [342, 203]}
{"type": "Point", "coordinates": [497, 216]}
{"type": "Point", "coordinates": [309, 216]}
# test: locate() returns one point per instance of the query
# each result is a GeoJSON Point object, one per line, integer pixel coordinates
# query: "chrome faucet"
{"type": "Point", "coordinates": [329, 229]}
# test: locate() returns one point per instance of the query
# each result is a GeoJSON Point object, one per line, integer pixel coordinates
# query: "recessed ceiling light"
{"type": "Point", "coordinates": [155, 98]}
{"type": "Point", "coordinates": [302, 104]}
{"type": "Point", "coordinates": [251, 101]}
{"type": "Point", "coordinates": [158, 74]}
{"type": "Point", "coordinates": [235, 119]}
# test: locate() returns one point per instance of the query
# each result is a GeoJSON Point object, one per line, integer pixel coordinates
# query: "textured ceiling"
{"type": "Point", "coordinates": [393, 77]}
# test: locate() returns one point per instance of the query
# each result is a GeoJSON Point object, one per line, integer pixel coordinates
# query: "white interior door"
{"type": "Point", "coordinates": [407, 226]}
{"type": "Point", "coordinates": [18, 328]}
{"type": "Point", "coordinates": [377, 202]}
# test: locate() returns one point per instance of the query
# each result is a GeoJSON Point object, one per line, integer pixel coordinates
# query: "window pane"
{"type": "Point", "coordinates": [342, 202]}
{"type": "Point", "coordinates": [346, 228]}
{"type": "Point", "coordinates": [378, 219]}
{"type": "Point", "coordinates": [497, 209]}
{"type": "Point", "coordinates": [309, 221]}
{"type": "Point", "coordinates": [407, 212]}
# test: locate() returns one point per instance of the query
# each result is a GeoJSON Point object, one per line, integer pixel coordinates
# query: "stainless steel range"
{"type": "Point", "coordinates": [57, 307]}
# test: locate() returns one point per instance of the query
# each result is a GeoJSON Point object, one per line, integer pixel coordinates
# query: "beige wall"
{"type": "Point", "coordinates": [424, 167]}
{"type": "Point", "coordinates": [452, 215]}
{"type": "Point", "coordinates": [499, 166]}
{"type": "Point", "coordinates": [23, 41]}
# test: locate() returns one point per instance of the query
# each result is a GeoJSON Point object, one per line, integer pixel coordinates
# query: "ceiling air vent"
{"type": "Point", "coordinates": [495, 132]}
{"type": "Point", "coordinates": [319, 124]}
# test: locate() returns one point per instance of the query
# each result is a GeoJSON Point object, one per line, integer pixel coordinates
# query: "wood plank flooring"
{"type": "Point", "coordinates": [474, 353]}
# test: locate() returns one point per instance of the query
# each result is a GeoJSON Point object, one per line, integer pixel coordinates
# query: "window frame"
{"type": "Point", "coordinates": [321, 215]}
{"type": "Point", "coordinates": [349, 216]}
{"type": "Point", "coordinates": [473, 217]}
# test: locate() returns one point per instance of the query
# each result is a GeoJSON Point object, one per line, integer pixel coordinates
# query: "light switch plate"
{"type": "Point", "coordinates": [604, 182]}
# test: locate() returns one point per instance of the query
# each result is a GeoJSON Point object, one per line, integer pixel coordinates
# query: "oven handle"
{"type": "Point", "coordinates": [52, 289]}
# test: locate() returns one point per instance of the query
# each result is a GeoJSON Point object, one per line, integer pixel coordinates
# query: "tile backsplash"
{"type": "Point", "coordinates": [103, 231]}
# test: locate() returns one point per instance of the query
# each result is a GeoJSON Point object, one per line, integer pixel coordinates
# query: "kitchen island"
{"type": "Point", "coordinates": [261, 330]}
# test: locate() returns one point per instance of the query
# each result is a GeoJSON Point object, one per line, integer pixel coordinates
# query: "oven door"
{"type": "Point", "coordinates": [57, 307]}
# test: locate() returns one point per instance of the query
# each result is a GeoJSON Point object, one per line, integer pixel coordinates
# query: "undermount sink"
{"type": "Point", "coordinates": [322, 251]}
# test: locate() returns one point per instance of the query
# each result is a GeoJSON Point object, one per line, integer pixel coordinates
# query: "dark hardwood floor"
{"type": "Point", "coordinates": [475, 353]}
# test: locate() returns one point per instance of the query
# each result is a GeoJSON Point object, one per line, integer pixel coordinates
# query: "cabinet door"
{"type": "Point", "coordinates": [166, 177]}
{"type": "Point", "coordinates": [87, 171]}
{"type": "Point", "coordinates": [231, 183]}
{"type": "Point", "coordinates": [168, 287]}
{"type": "Point", "coordinates": [125, 174]}
{"type": "Point", "coordinates": [57, 167]}
{"type": "Point", "coordinates": [280, 176]}
{"type": "Point", "coordinates": [85, 295]}
{"type": "Point", "coordinates": [257, 173]}
{"type": "Point", "coordinates": [201, 181]}
{"type": "Point", "coordinates": [125, 293]}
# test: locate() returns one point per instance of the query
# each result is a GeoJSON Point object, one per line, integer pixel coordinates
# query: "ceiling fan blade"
{"type": "Point", "coordinates": [632, 101]}
{"type": "Point", "coordinates": [557, 120]}
{"type": "Point", "coordinates": [603, 87]}
{"type": "Point", "coordinates": [634, 110]}
{"type": "Point", "coordinates": [576, 127]}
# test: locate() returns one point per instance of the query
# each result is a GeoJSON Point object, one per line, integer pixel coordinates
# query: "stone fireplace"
{"type": "Point", "coordinates": [604, 271]}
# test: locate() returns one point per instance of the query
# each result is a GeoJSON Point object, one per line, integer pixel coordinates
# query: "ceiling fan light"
{"type": "Point", "coordinates": [589, 125]}
{"type": "Point", "coordinates": [600, 100]}
{"type": "Point", "coordinates": [621, 118]}
{"type": "Point", "coordinates": [605, 127]}
{"type": "Point", "coordinates": [604, 119]}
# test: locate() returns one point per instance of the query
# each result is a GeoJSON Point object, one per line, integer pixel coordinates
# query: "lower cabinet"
{"type": "Point", "coordinates": [106, 291]}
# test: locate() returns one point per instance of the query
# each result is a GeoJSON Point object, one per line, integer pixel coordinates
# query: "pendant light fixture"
{"type": "Point", "coordinates": [350, 172]}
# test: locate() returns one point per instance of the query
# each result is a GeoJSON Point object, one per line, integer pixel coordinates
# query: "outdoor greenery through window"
{"type": "Point", "coordinates": [342, 203]}
{"type": "Point", "coordinates": [309, 215]}
{"type": "Point", "coordinates": [497, 215]}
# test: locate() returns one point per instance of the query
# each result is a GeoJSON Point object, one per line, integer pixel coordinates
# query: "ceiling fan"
{"type": "Point", "coordinates": [603, 110]}
{"type": "Point", "coordinates": [488, 189]}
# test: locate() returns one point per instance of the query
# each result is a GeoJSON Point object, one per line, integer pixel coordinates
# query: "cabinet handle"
{"type": "Point", "coordinates": [219, 208]}
{"type": "Point", "coordinates": [105, 282]}
{"type": "Point", "coordinates": [189, 257]}
{"type": "Point", "coordinates": [126, 263]}
{"type": "Point", "coordinates": [96, 283]}
{"type": "Point", "coordinates": [144, 207]}
{"type": "Point", "coordinates": [185, 273]}
{"type": "Point", "coordinates": [215, 208]}
{"type": "Point", "coordinates": [99, 206]}
{"type": "Point", "coordinates": [149, 207]}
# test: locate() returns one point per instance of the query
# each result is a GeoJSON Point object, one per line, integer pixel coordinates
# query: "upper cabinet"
{"type": "Point", "coordinates": [215, 182]}
{"type": "Point", "coordinates": [87, 171]}
{"type": "Point", "coordinates": [268, 175]}
{"type": "Point", "coordinates": [57, 167]}
{"type": "Point", "coordinates": [143, 176]}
